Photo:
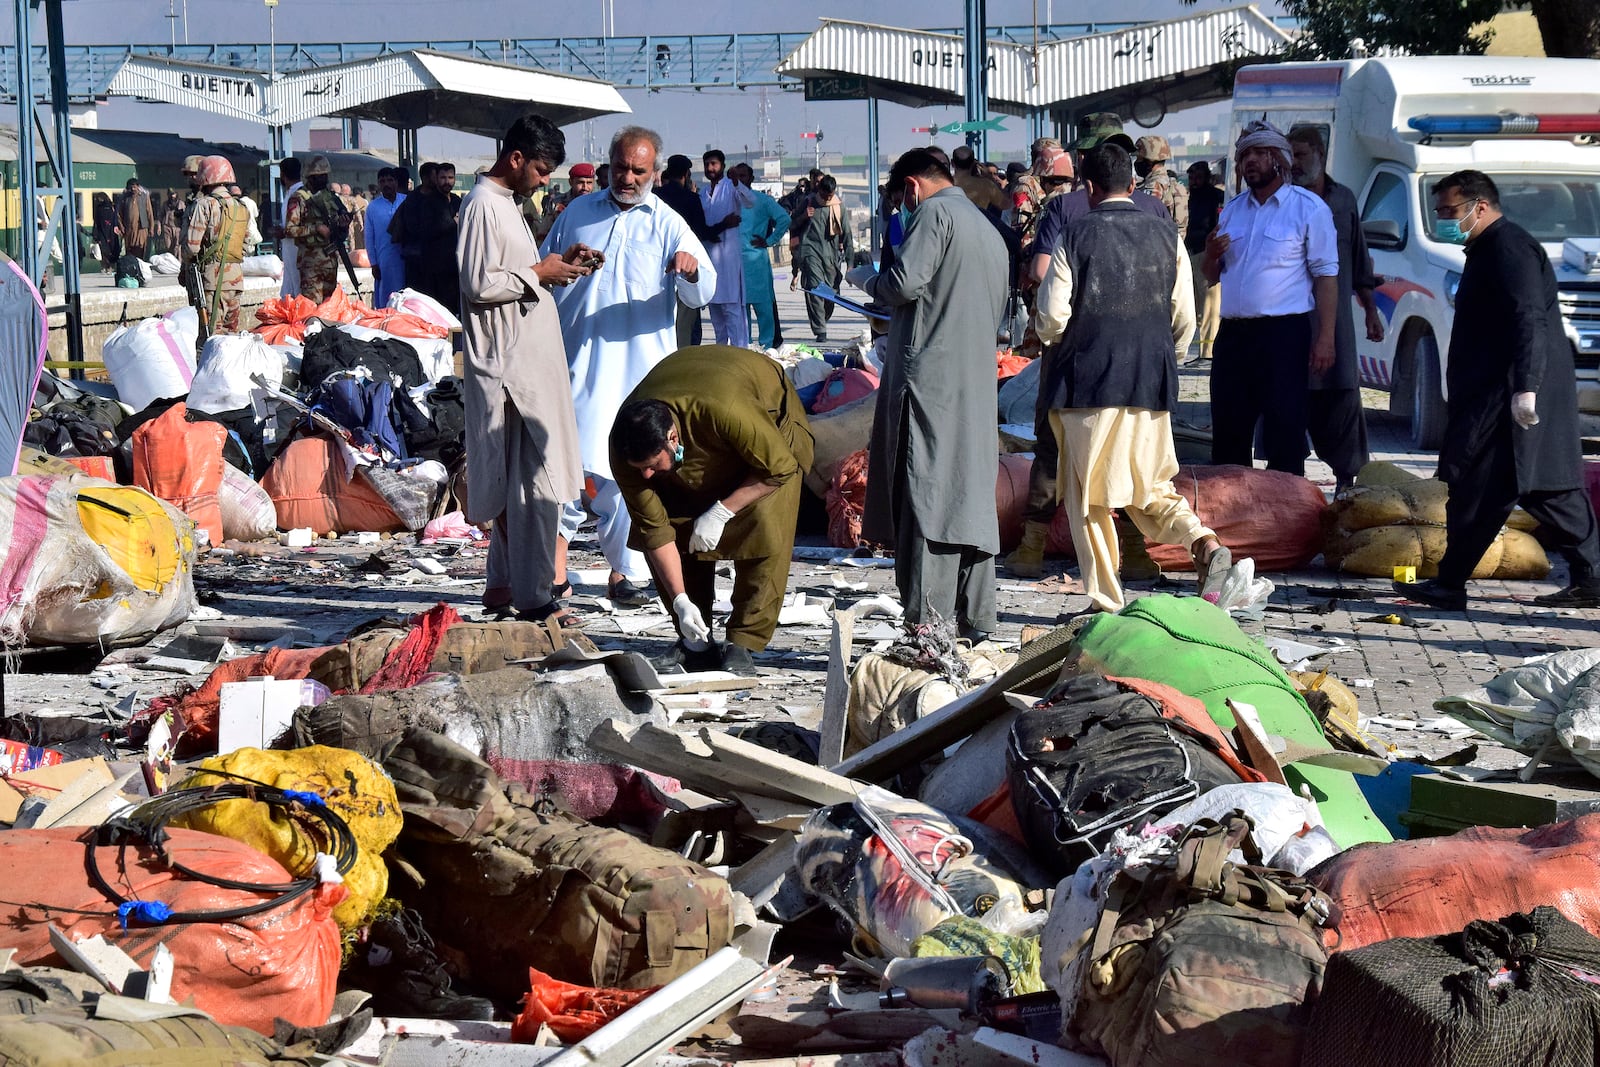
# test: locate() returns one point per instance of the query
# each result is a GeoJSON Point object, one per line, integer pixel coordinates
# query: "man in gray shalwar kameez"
{"type": "Point", "coordinates": [933, 457]}
{"type": "Point", "coordinates": [522, 436]}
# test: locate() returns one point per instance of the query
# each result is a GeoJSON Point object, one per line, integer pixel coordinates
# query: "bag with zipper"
{"type": "Point", "coordinates": [1094, 757]}
{"type": "Point", "coordinates": [1199, 961]}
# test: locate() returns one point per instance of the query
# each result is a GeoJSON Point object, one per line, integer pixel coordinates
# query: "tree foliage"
{"type": "Point", "coordinates": [1414, 27]}
{"type": "Point", "coordinates": [1330, 28]}
{"type": "Point", "coordinates": [1570, 28]}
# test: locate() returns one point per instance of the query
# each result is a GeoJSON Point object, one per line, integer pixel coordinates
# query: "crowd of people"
{"type": "Point", "coordinates": [588, 390]}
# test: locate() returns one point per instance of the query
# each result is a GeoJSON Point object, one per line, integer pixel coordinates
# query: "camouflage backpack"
{"type": "Point", "coordinates": [1200, 961]}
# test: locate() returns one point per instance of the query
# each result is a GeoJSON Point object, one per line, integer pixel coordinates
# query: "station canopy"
{"type": "Point", "coordinates": [1142, 71]}
{"type": "Point", "coordinates": [404, 90]}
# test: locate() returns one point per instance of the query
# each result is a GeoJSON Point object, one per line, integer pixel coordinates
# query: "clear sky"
{"type": "Point", "coordinates": [688, 121]}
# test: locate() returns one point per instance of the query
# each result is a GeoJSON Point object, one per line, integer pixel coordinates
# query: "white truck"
{"type": "Point", "coordinates": [1396, 126]}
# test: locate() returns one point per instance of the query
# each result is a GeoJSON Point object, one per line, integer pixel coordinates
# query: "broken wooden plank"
{"type": "Point", "coordinates": [1038, 663]}
{"type": "Point", "coordinates": [714, 763]}
{"type": "Point", "coordinates": [836, 696]}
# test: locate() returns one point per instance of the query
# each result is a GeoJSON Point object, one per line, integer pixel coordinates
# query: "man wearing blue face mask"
{"type": "Point", "coordinates": [709, 452]}
{"type": "Point", "coordinates": [1511, 433]}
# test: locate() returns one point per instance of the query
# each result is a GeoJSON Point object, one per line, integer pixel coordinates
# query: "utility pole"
{"type": "Point", "coordinates": [172, 22]}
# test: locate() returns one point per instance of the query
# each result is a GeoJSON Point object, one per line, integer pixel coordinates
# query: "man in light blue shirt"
{"type": "Point", "coordinates": [618, 323]}
{"type": "Point", "coordinates": [1276, 255]}
{"type": "Point", "coordinates": [388, 269]}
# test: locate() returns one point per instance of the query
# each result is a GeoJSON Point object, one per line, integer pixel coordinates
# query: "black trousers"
{"type": "Point", "coordinates": [1261, 370]}
{"type": "Point", "coordinates": [1338, 428]}
{"type": "Point", "coordinates": [1477, 509]}
{"type": "Point", "coordinates": [1042, 497]}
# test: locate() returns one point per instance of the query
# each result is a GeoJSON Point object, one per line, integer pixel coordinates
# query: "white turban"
{"type": "Point", "coordinates": [1261, 135]}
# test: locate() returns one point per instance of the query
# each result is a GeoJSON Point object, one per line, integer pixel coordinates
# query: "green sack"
{"type": "Point", "coordinates": [1195, 647]}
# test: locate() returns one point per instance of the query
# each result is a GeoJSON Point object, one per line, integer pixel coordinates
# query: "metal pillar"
{"type": "Point", "coordinates": [406, 147]}
{"type": "Point", "coordinates": [65, 216]}
{"type": "Point", "coordinates": [977, 86]}
{"type": "Point", "coordinates": [874, 227]}
{"type": "Point", "coordinates": [27, 167]}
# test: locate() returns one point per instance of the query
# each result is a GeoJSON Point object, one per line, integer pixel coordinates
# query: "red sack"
{"type": "Point", "coordinates": [1268, 516]}
{"type": "Point", "coordinates": [1437, 885]}
{"type": "Point", "coordinates": [181, 462]}
{"type": "Point", "coordinates": [338, 307]}
{"type": "Point", "coordinates": [572, 1012]}
{"type": "Point", "coordinates": [843, 386]}
{"type": "Point", "coordinates": [1009, 363]}
{"type": "Point", "coordinates": [1011, 498]}
{"type": "Point", "coordinates": [847, 499]}
{"type": "Point", "coordinates": [200, 708]}
{"type": "Point", "coordinates": [309, 491]}
{"type": "Point", "coordinates": [280, 964]}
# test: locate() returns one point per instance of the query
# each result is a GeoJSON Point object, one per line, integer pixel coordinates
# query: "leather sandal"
{"type": "Point", "coordinates": [1213, 569]}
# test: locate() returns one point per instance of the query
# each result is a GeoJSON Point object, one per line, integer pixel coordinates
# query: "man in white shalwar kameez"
{"type": "Point", "coordinates": [618, 323]}
{"type": "Point", "coordinates": [522, 439]}
{"type": "Point", "coordinates": [724, 201]}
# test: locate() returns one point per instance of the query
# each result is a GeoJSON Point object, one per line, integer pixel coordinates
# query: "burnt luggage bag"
{"type": "Point", "coordinates": [1093, 758]}
{"type": "Point", "coordinates": [511, 887]}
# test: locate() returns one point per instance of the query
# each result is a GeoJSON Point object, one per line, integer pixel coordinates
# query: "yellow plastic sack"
{"type": "Point", "coordinates": [353, 786]}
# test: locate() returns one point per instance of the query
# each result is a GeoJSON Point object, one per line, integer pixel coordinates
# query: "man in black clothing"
{"type": "Point", "coordinates": [674, 190]}
{"type": "Point", "coordinates": [1511, 433]}
{"type": "Point", "coordinates": [424, 227]}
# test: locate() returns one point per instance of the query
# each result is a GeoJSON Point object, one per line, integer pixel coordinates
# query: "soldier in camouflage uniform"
{"type": "Point", "coordinates": [191, 171]}
{"type": "Point", "coordinates": [214, 239]}
{"type": "Point", "coordinates": [317, 219]}
{"type": "Point", "coordinates": [1150, 162]}
{"type": "Point", "coordinates": [1031, 191]}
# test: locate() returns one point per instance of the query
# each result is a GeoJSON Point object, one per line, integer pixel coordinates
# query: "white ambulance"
{"type": "Point", "coordinates": [1394, 127]}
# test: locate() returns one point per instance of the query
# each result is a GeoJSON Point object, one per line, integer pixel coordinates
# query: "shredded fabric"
{"type": "Point", "coordinates": [934, 647]}
{"type": "Point", "coordinates": [412, 659]}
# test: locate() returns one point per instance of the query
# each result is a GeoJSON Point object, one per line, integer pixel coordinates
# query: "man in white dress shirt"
{"type": "Point", "coordinates": [1276, 256]}
{"type": "Point", "coordinates": [723, 202]}
{"type": "Point", "coordinates": [618, 323]}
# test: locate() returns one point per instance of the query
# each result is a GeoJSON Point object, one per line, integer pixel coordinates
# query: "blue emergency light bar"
{"type": "Point", "coordinates": [1506, 125]}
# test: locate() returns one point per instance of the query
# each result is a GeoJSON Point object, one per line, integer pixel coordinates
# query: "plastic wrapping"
{"type": "Point", "coordinates": [896, 868]}
{"type": "Point", "coordinates": [89, 562]}
{"type": "Point", "coordinates": [222, 383]}
{"type": "Point", "coordinates": [247, 510]}
{"type": "Point", "coordinates": [424, 307]}
{"type": "Point", "coordinates": [282, 963]}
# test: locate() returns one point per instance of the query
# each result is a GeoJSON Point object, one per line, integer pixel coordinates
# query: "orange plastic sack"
{"type": "Point", "coordinates": [572, 1012]}
{"type": "Point", "coordinates": [1009, 363]}
{"type": "Point", "coordinates": [402, 324]}
{"type": "Point", "coordinates": [199, 708]}
{"type": "Point", "coordinates": [309, 491]}
{"type": "Point", "coordinates": [338, 307]}
{"type": "Point", "coordinates": [1436, 885]}
{"type": "Point", "coordinates": [282, 963]}
{"type": "Point", "coordinates": [181, 462]}
{"type": "Point", "coordinates": [1268, 516]}
{"type": "Point", "coordinates": [94, 466]}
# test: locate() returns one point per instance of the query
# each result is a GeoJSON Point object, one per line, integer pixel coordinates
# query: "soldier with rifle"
{"type": "Point", "coordinates": [319, 225]}
{"type": "Point", "coordinates": [213, 249]}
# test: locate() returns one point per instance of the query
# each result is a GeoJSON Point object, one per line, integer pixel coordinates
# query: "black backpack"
{"type": "Point", "coordinates": [128, 267]}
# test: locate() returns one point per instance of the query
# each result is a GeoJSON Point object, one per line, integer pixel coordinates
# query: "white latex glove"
{"type": "Point", "coordinates": [1523, 411]}
{"type": "Point", "coordinates": [691, 626]}
{"type": "Point", "coordinates": [859, 276]}
{"type": "Point", "coordinates": [708, 528]}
